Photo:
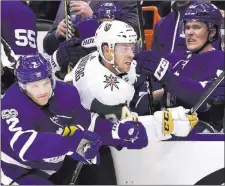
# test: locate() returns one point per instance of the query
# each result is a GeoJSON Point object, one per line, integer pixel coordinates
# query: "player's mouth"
{"type": "Point", "coordinates": [191, 40]}
{"type": "Point", "coordinates": [43, 96]}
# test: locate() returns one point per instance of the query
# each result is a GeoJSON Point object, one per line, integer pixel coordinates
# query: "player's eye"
{"type": "Point", "coordinates": [47, 82]}
{"type": "Point", "coordinates": [35, 86]}
{"type": "Point", "coordinates": [126, 48]}
{"type": "Point", "coordinates": [196, 27]}
{"type": "Point", "coordinates": [187, 27]}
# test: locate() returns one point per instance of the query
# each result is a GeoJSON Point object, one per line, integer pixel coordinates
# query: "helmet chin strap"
{"type": "Point", "coordinates": [117, 69]}
{"type": "Point", "coordinates": [112, 62]}
{"type": "Point", "coordinates": [203, 46]}
{"type": "Point", "coordinates": [200, 49]}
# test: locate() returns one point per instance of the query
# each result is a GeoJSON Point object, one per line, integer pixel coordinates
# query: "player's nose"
{"type": "Point", "coordinates": [190, 31]}
{"type": "Point", "coordinates": [42, 90]}
{"type": "Point", "coordinates": [131, 54]}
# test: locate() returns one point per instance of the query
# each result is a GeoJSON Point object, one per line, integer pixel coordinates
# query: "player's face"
{"type": "Point", "coordinates": [196, 34]}
{"type": "Point", "coordinates": [124, 54]}
{"type": "Point", "coordinates": [39, 91]}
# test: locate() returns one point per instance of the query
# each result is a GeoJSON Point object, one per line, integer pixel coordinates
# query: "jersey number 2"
{"type": "Point", "coordinates": [25, 37]}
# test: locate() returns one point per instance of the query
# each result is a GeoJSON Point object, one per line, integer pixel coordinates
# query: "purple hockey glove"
{"type": "Point", "coordinates": [87, 146]}
{"type": "Point", "coordinates": [151, 64]}
{"type": "Point", "coordinates": [132, 134]}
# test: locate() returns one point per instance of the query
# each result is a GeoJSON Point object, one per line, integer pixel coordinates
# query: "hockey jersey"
{"type": "Point", "coordinates": [105, 93]}
{"type": "Point", "coordinates": [31, 135]}
{"type": "Point", "coordinates": [18, 27]}
{"type": "Point", "coordinates": [100, 89]}
{"type": "Point", "coordinates": [195, 73]}
{"type": "Point", "coordinates": [169, 33]}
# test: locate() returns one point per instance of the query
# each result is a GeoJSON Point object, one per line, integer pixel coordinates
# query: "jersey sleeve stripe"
{"type": "Point", "coordinates": [27, 145]}
{"type": "Point", "coordinates": [7, 159]}
{"type": "Point", "coordinates": [17, 135]}
{"type": "Point", "coordinates": [6, 180]}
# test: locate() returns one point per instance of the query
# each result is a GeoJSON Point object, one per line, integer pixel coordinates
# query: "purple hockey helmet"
{"type": "Point", "coordinates": [32, 68]}
{"type": "Point", "coordinates": [108, 10]}
{"type": "Point", "coordinates": [207, 13]}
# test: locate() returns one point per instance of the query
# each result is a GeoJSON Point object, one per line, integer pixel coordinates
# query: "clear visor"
{"type": "Point", "coordinates": [125, 47]}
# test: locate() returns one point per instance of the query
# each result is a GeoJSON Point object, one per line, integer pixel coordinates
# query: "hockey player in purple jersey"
{"type": "Point", "coordinates": [187, 75]}
{"type": "Point", "coordinates": [174, 38]}
{"type": "Point", "coordinates": [20, 34]}
{"type": "Point", "coordinates": [42, 121]}
{"type": "Point", "coordinates": [70, 52]}
{"type": "Point", "coordinates": [18, 37]}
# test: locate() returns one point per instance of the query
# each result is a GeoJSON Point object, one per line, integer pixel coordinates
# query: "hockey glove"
{"type": "Point", "coordinates": [87, 144]}
{"type": "Point", "coordinates": [152, 65]}
{"type": "Point", "coordinates": [68, 53]}
{"type": "Point", "coordinates": [132, 134]}
{"type": "Point", "coordinates": [175, 121]}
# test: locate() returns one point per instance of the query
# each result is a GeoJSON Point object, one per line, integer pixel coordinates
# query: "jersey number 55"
{"type": "Point", "coordinates": [25, 37]}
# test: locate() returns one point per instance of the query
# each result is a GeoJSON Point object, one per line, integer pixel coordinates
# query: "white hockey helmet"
{"type": "Point", "coordinates": [111, 33]}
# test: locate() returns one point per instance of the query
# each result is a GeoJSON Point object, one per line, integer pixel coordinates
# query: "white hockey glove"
{"type": "Point", "coordinates": [54, 63]}
{"type": "Point", "coordinates": [175, 121]}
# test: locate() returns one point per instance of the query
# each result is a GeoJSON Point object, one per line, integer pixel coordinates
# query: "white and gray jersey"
{"type": "Point", "coordinates": [100, 90]}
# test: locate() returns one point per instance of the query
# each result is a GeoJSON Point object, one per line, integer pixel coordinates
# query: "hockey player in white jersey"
{"type": "Point", "coordinates": [105, 81]}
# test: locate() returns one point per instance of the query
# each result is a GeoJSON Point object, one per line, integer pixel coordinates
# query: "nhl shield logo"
{"type": "Point", "coordinates": [107, 27]}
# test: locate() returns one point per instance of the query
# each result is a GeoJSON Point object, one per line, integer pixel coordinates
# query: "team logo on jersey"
{"type": "Point", "coordinates": [107, 27]}
{"type": "Point", "coordinates": [9, 113]}
{"type": "Point", "coordinates": [111, 82]}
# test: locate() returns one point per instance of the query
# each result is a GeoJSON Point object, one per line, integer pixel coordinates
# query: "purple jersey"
{"type": "Point", "coordinates": [194, 72]}
{"type": "Point", "coordinates": [169, 33]}
{"type": "Point", "coordinates": [18, 27]}
{"type": "Point", "coordinates": [31, 135]}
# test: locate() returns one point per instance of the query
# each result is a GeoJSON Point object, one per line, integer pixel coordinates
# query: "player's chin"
{"type": "Point", "coordinates": [42, 101]}
{"type": "Point", "coordinates": [192, 48]}
{"type": "Point", "coordinates": [126, 68]}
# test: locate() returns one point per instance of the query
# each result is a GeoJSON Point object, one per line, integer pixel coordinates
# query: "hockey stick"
{"type": "Point", "coordinates": [76, 173]}
{"type": "Point", "coordinates": [141, 25]}
{"type": "Point", "coordinates": [79, 164]}
{"type": "Point", "coordinates": [68, 24]}
{"type": "Point", "coordinates": [68, 20]}
{"type": "Point", "coordinates": [207, 93]}
{"type": "Point", "coordinates": [143, 42]}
